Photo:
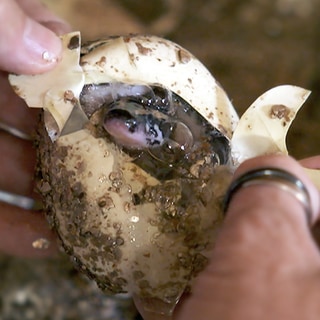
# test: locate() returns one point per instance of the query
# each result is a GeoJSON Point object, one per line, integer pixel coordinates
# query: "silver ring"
{"type": "Point", "coordinates": [278, 178]}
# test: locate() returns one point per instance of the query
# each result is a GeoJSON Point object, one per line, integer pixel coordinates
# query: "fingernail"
{"type": "Point", "coordinates": [42, 45]}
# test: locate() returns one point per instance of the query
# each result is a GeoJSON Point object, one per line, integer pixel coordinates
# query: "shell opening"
{"type": "Point", "coordinates": [162, 132]}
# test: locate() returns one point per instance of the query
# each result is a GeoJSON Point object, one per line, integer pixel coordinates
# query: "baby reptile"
{"type": "Point", "coordinates": [159, 129]}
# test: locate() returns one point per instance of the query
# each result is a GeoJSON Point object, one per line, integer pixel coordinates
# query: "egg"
{"type": "Point", "coordinates": [136, 148]}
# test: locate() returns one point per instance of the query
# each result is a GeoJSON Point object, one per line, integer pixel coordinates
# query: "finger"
{"type": "Point", "coordinates": [264, 252]}
{"type": "Point", "coordinates": [25, 234]}
{"type": "Point", "coordinates": [312, 162]}
{"type": "Point", "coordinates": [17, 156]}
{"type": "Point", "coordinates": [269, 225]}
{"type": "Point", "coordinates": [27, 46]}
{"type": "Point", "coordinates": [290, 165]}
{"type": "Point", "coordinates": [13, 110]}
{"type": "Point", "coordinates": [39, 12]}
{"type": "Point", "coordinates": [17, 165]}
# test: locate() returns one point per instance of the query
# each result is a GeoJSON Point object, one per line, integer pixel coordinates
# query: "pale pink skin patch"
{"type": "Point", "coordinates": [122, 135]}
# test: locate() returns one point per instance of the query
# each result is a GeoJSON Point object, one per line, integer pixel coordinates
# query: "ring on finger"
{"type": "Point", "coordinates": [275, 177]}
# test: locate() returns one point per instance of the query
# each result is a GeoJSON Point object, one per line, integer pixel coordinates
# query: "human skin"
{"type": "Point", "coordinates": [265, 264]}
{"type": "Point", "coordinates": [28, 44]}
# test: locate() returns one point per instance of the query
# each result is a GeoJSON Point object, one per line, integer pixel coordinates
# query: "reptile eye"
{"type": "Point", "coordinates": [177, 143]}
{"type": "Point", "coordinates": [180, 136]}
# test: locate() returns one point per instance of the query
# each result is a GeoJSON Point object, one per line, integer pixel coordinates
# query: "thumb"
{"type": "Point", "coordinates": [26, 45]}
{"type": "Point", "coordinates": [270, 224]}
{"type": "Point", "coordinates": [264, 247]}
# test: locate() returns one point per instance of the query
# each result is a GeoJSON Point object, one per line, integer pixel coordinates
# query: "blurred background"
{"type": "Point", "coordinates": [250, 46]}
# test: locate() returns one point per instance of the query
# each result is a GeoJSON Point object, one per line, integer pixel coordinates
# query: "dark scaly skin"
{"type": "Point", "coordinates": [146, 122]}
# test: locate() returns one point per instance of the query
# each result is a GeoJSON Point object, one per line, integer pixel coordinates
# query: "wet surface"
{"type": "Point", "coordinates": [249, 46]}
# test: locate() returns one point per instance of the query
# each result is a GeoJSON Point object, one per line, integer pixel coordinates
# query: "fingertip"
{"type": "Point", "coordinates": [42, 47]}
{"type": "Point", "coordinates": [39, 11]}
{"type": "Point", "coordinates": [30, 37]}
{"type": "Point", "coordinates": [311, 162]}
{"type": "Point", "coordinates": [33, 49]}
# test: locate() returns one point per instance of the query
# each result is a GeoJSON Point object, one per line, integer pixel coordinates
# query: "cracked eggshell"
{"type": "Point", "coordinates": [263, 127]}
{"type": "Point", "coordinates": [126, 247]}
{"type": "Point", "coordinates": [153, 60]}
{"type": "Point", "coordinates": [50, 90]}
{"type": "Point", "coordinates": [133, 59]}
{"type": "Point", "coordinates": [153, 248]}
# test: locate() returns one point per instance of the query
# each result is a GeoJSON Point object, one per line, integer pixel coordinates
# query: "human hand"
{"type": "Point", "coordinates": [29, 44]}
{"type": "Point", "coordinates": [29, 41]}
{"type": "Point", "coordinates": [265, 264]}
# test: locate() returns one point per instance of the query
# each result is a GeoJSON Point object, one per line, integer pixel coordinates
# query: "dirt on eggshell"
{"type": "Point", "coordinates": [100, 245]}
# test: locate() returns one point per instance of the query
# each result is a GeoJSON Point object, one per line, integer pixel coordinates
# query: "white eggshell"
{"type": "Point", "coordinates": [153, 247]}
{"type": "Point", "coordinates": [135, 60]}
{"type": "Point", "coordinates": [153, 60]}
{"type": "Point", "coordinates": [263, 127]}
{"type": "Point", "coordinates": [48, 90]}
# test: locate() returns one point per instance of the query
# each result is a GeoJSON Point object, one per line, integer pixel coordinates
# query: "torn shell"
{"type": "Point", "coordinates": [262, 129]}
{"type": "Point", "coordinates": [137, 163]}
{"type": "Point", "coordinates": [135, 60]}
{"type": "Point", "coordinates": [55, 91]}
{"type": "Point", "coordinates": [140, 158]}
